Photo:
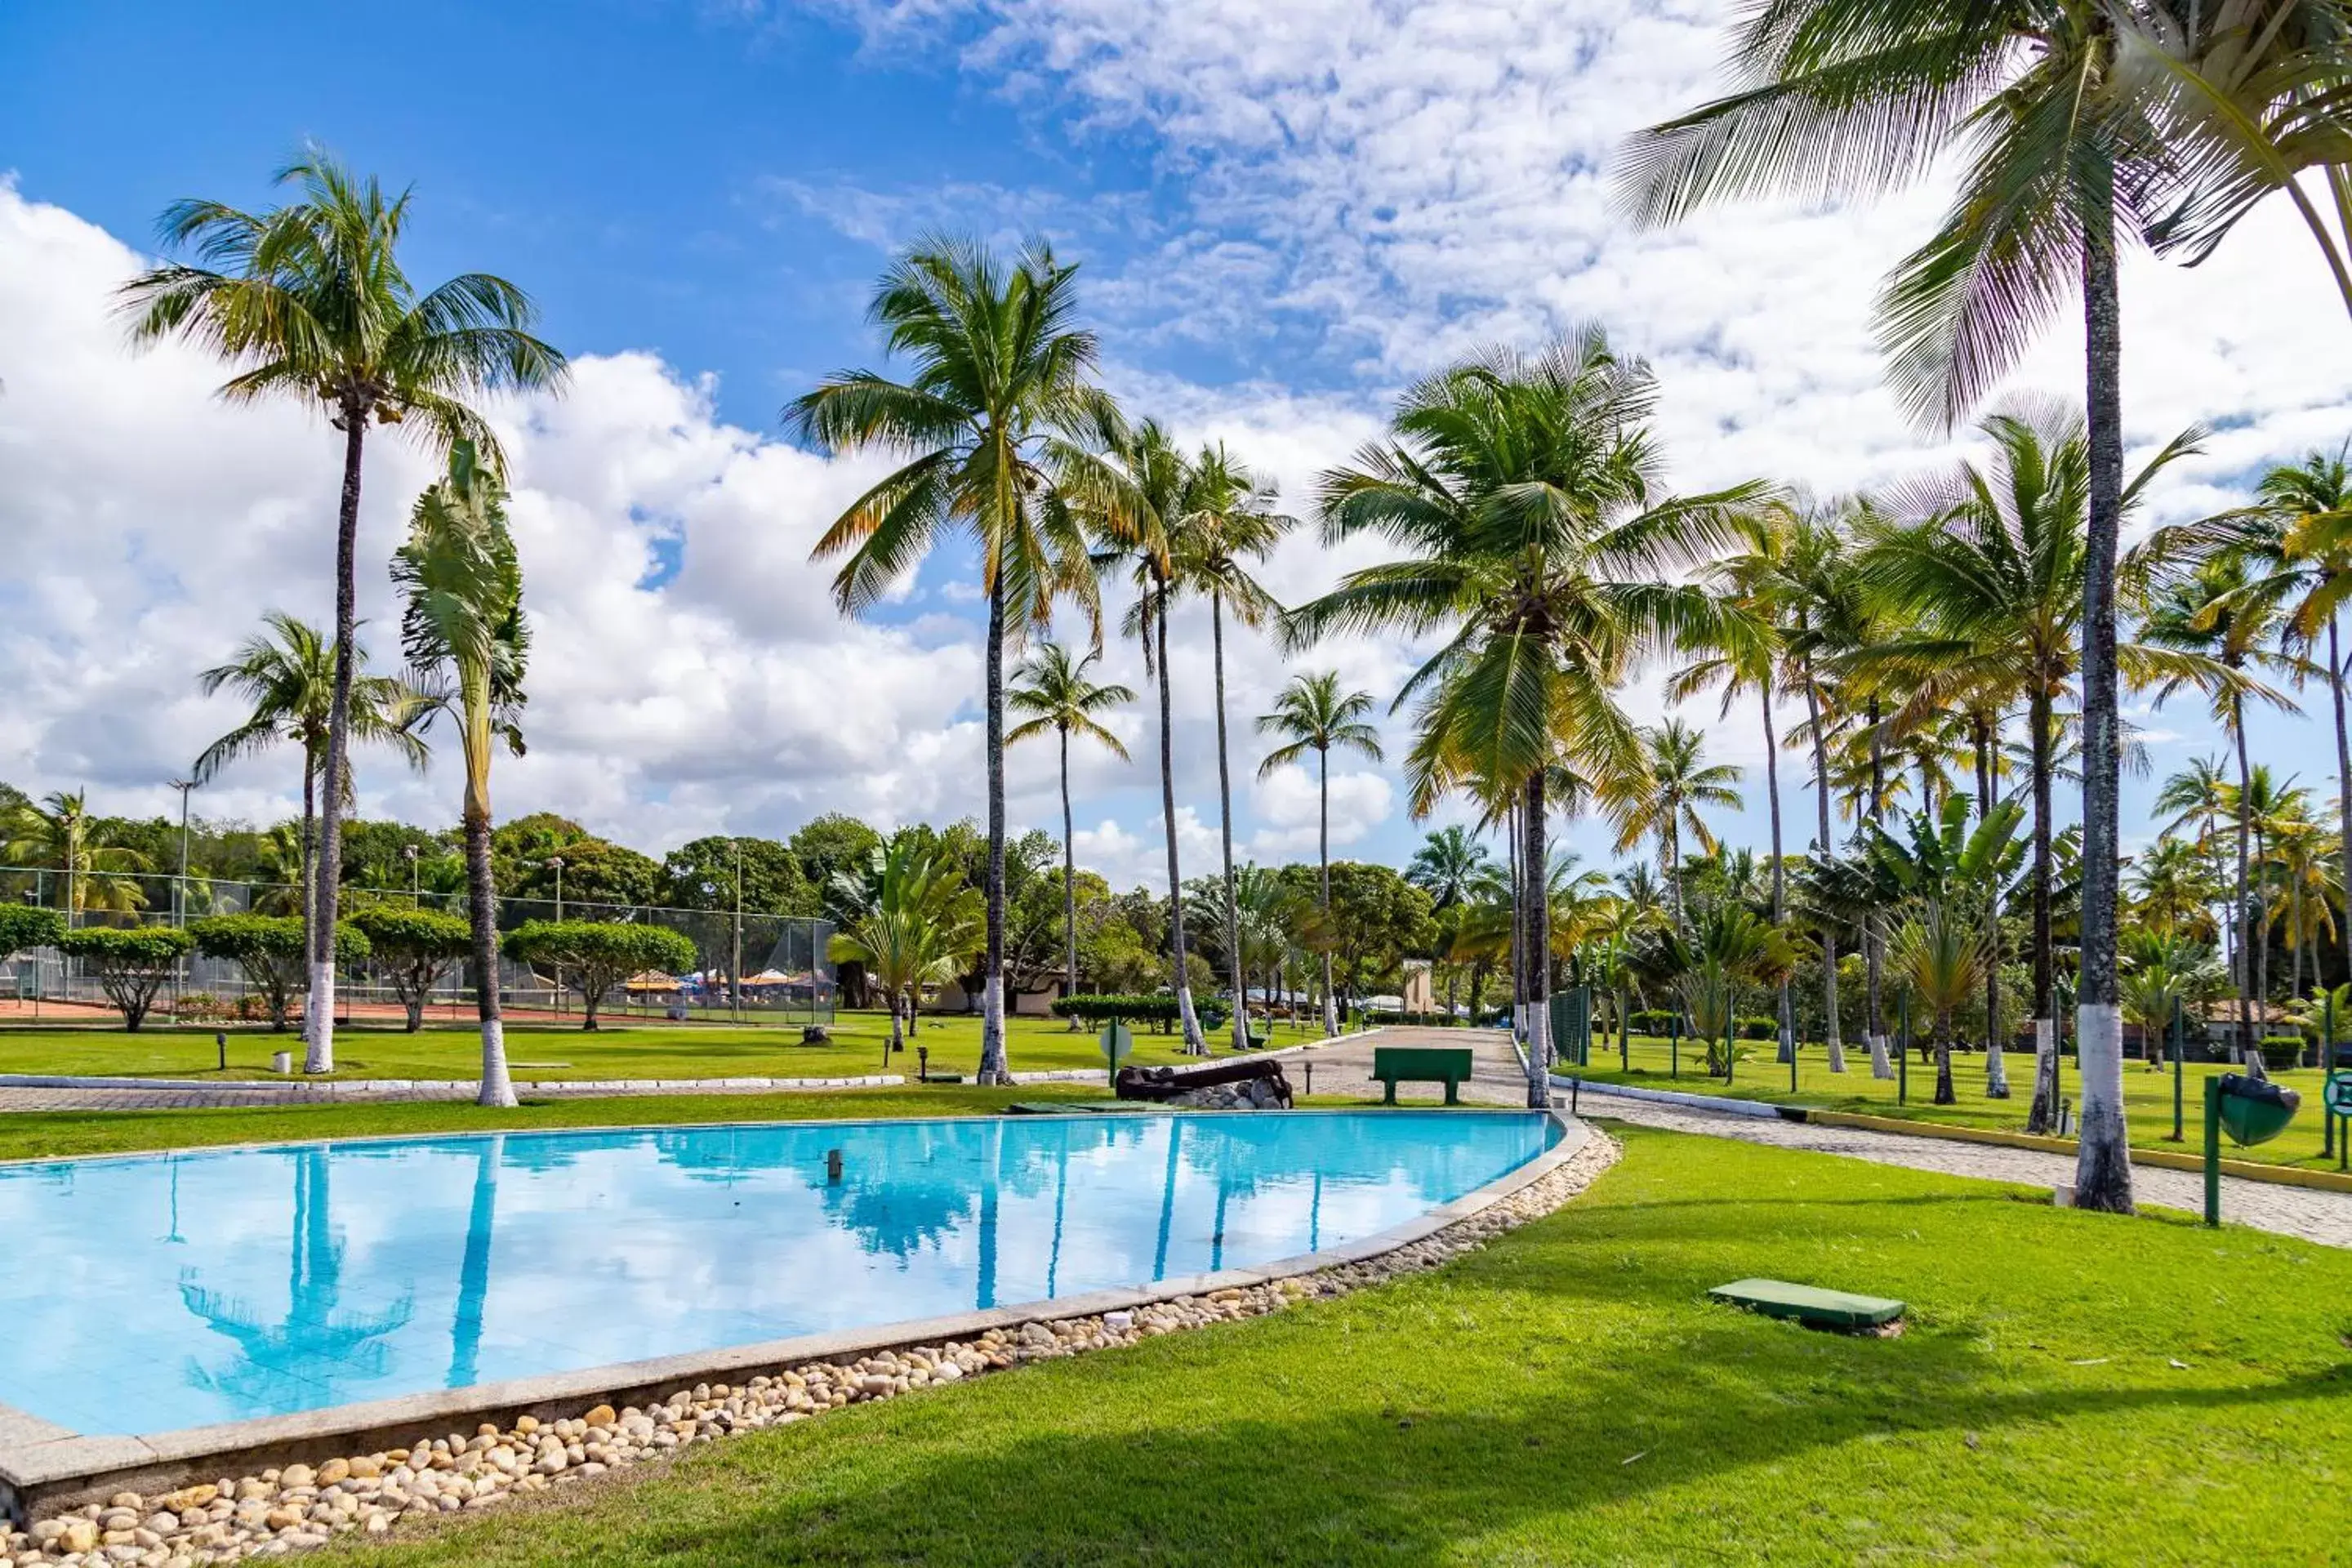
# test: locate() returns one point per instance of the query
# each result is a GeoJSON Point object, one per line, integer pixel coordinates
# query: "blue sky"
{"type": "Point", "coordinates": [1284, 212]}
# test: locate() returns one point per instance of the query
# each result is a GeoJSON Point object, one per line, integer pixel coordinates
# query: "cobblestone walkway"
{"type": "Point", "coordinates": [2316, 1215]}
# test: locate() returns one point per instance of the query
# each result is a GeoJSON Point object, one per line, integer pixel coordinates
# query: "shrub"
{"type": "Point", "coordinates": [269, 950]}
{"type": "Point", "coordinates": [131, 965]}
{"type": "Point", "coordinates": [596, 955]}
{"type": "Point", "coordinates": [1753, 1029]}
{"type": "Point", "coordinates": [1655, 1021]}
{"type": "Point", "coordinates": [1157, 1008]}
{"type": "Point", "coordinates": [23, 927]}
{"type": "Point", "coordinates": [415, 948]}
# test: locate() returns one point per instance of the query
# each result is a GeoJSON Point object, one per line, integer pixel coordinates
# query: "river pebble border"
{"type": "Point", "coordinates": [282, 1510]}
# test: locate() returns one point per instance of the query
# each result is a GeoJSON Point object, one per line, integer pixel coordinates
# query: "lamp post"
{"type": "Point", "coordinates": [408, 853]}
{"type": "Point", "coordinates": [180, 885]}
{"type": "Point", "coordinates": [556, 861]}
{"type": "Point", "coordinates": [710, 890]}
{"type": "Point", "coordinates": [735, 966]}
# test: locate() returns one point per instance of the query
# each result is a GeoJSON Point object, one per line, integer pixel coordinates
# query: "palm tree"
{"type": "Point", "coordinates": [999, 373]}
{"type": "Point", "coordinates": [1940, 957]}
{"type": "Point", "coordinates": [2059, 148]}
{"type": "Point", "coordinates": [1996, 568]}
{"type": "Point", "coordinates": [1052, 688]}
{"type": "Point", "coordinates": [60, 834]}
{"type": "Point", "coordinates": [2308, 890]}
{"type": "Point", "coordinates": [1228, 519]}
{"type": "Point", "coordinates": [310, 301]}
{"type": "Point", "coordinates": [2219, 611]}
{"type": "Point", "coordinates": [1524, 489]}
{"type": "Point", "coordinates": [287, 673]}
{"type": "Point", "coordinates": [1312, 714]}
{"type": "Point", "coordinates": [464, 625]}
{"type": "Point", "coordinates": [1133, 497]}
{"type": "Point", "coordinates": [1447, 866]}
{"type": "Point", "coordinates": [2199, 793]}
{"type": "Point", "coordinates": [1663, 797]}
{"type": "Point", "coordinates": [2172, 890]}
{"type": "Point", "coordinates": [923, 928]}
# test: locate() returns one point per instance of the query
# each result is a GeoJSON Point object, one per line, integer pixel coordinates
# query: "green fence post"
{"type": "Point", "coordinates": [2327, 1065]}
{"type": "Point", "coordinates": [2179, 1056]}
{"type": "Point", "coordinates": [2212, 1149]}
{"type": "Point", "coordinates": [1731, 1045]}
{"type": "Point", "coordinates": [1675, 1046]}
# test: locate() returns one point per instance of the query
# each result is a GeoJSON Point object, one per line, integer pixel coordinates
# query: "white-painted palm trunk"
{"type": "Point", "coordinates": [992, 1022]}
{"type": "Point", "coordinates": [497, 1087]}
{"type": "Point", "coordinates": [1996, 1071]}
{"type": "Point", "coordinates": [2045, 1069]}
{"type": "Point", "coordinates": [1882, 1063]}
{"type": "Point", "coordinates": [2099, 1062]}
{"type": "Point", "coordinates": [318, 1020]}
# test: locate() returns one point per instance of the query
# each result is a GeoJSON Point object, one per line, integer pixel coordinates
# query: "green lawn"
{"type": "Point", "coordinates": [1567, 1395]}
{"type": "Point", "coordinates": [635, 1051]}
{"type": "Point", "coordinates": [2148, 1096]}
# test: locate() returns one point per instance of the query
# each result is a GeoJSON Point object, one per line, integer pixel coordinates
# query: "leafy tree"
{"type": "Point", "coordinates": [60, 834]}
{"type": "Point", "coordinates": [1376, 918]}
{"type": "Point", "coordinates": [464, 625]}
{"type": "Point", "coordinates": [24, 927]}
{"type": "Point", "coordinates": [1312, 714]}
{"type": "Point", "coordinates": [773, 883]}
{"type": "Point", "coordinates": [595, 956]}
{"type": "Point", "coordinates": [272, 951]}
{"type": "Point", "coordinates": [132, 963]}
{"type": "Point", "coordinates": [414, 947]}
{"type": "Point", "coordinates": [377, 855]}
{"type": "Point", "coordinates": [827, 846]}
{"type": "Point", "coordinates": [310, 300]}
{"type": "Point", "coordinates": [285, 674]}
{"type": "Point", "coordinates": [999, 373]}
{"type": "Point", "coordinates": [1054, 692]}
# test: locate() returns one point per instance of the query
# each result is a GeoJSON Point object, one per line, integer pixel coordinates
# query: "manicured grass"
{"type": "Point", "coordinates": [27, 1135]}
{"type": "Point", "coordinates": [632, 1050]}
{"type": "Point", "coordinates": [2148, 1096]}
{"type": "Point", "coordinates": [2072, 1388]}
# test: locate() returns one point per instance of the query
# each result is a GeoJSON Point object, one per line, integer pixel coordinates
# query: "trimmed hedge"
{"type": "Point", "coordinates": [1157, 1008]}
{"type": "Point", "coordinates": [269, 950]}
{"type": "Point", "coordinates": [597, 955]}
{"type": "Point", "coordinates": [22, 927]}
{"type": "Point", "coordinates": [415, 948]}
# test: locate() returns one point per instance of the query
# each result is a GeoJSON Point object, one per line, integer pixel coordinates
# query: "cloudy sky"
{"type": "Point", "coordinates": [1284, 212]}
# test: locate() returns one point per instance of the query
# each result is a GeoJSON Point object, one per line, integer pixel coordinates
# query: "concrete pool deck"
{"type": "Point", "coordinates": [47, 1466]}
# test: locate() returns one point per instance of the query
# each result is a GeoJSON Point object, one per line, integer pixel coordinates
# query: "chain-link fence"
{"type": "Point", "coordinates": [749, 967]}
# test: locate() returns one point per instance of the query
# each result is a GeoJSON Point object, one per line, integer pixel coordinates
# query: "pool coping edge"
{"type": "Point", "coordinates": [46, 1465]}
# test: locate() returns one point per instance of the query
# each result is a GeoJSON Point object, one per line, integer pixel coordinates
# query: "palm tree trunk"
{"type": "Point", "coordinates": [1874, 935]}
{"type": "Point", "coordinates": [1945, 1094]}
{"type": "Point", "coordinates": [1996, 1073]}
{"type": "Point", "coordinates": [1323, 877]}
{"type": "Point", "coordinates": [1833, 1043]}
{"type": "Point", "coordinates": [2043, 1115]}
{"type": "Point", "coordinates": [2103, 1164]}
{"type": "Point", "coordinates": [1538, 950]}
{"type": "Point", "coordinates": [1070, 887]}
{"type": "Point", "coordinates": [994, 1066]}
{"type": "Point", "coordinates": [310, 832]}
{"type": "Point", "coordinates": [2343, 802]}
{"type": "Point", "coordinates": [2241, 917]}
{"type": "Point", "coordinates": [1225, 824]}
{"type": "Point", "coordinates": [1193, 1043]}
{"type": "Point", "coordinates": [482, 910]}
{"type": "Point", "coordinates": [1780, 873]}
{"type": "Point", "coordinates": [318, 1014]}
{"type": "Point", "coordinates": [2261, 946]}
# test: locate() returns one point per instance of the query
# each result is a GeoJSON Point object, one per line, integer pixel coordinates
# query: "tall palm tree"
{"type": "Point", "coordinates": [310, 301]}
{"type": "Point", "coordinates": [286, 672]}
{"type": "Point", "coordinates": [1312, 714]}
{"type": "Point", "coordinates": [998, 377]}
{"type": "Point", "coordinates": [60, 834]}
{"type": "Point", "coordinates": [463, 626]}
{"type": "Point", "coordinates": [1228, 520]}
{"type": "Point", "coordinates": [2061, 155]}
{"type": "Point", "coordinates": [1939, 956]}
{"type": "Point", "coordinates": [1133, 496]}
{"type": "Point", "coordinates": [1665, 794]}
{"type": "Point", "coordinates": [1053, 689]}
{"type": "Point", "coordinates": [2221, 612]}
{"type": "Point", "coordinates": [2199, 793]}
{"type": "Point", "coordinates": [2172, 890]}
{"type": "Point", "coordinates": [1447, 866]}
{"type": "Point", "coordinates": [1523, 488]}
{"type": "Point", "coordinates": [1994, 565]}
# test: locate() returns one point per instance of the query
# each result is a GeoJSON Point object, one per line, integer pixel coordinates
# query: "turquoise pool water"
{"type": "Point", "coordinates": [156, 1292]}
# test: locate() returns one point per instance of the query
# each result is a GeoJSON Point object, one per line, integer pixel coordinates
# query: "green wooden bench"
{"type": "Point", "coordinates": [1448, 1064]}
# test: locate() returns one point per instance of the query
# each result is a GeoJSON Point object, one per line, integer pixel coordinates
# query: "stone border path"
{"type": "Point", "coordinates": [2309, 1213]}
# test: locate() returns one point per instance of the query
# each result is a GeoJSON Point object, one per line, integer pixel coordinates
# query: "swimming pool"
{"type": "Point", "coordinates": [151, 1293]}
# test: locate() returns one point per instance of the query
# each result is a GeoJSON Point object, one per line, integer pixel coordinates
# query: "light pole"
{"type": "Point", "coordinates": [408, 853]}
{"type": "Point", "coordinates": [180, 887]}
{"type": "Point", "coordinates": [556, 861]}
{"type": "Point", "coordinates": [736, 967]}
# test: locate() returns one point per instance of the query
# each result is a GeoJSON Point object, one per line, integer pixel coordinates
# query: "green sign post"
{"type": "Point", "coordinates": [2336, 1099]}
{"type": "Point", "coordinates": [1903, 1049]}
{"type": "Point", "coordinates": [2178, 1056]}
{"type": "Point", "coordinates": [1117, 1045]}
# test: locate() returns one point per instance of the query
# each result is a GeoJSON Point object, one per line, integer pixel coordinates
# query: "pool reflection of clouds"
{"type": "Point", "coordinates": [329, 1275]}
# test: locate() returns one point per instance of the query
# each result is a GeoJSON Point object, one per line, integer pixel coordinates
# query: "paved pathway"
{"type": "Point", "coordinates": [2306, 1212]}
{"type": "Point", "coordinates": [1345, 1067]}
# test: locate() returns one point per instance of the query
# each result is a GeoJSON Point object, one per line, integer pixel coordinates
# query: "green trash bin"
{"type": "Point", "coordinates": [2255, 1112]}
